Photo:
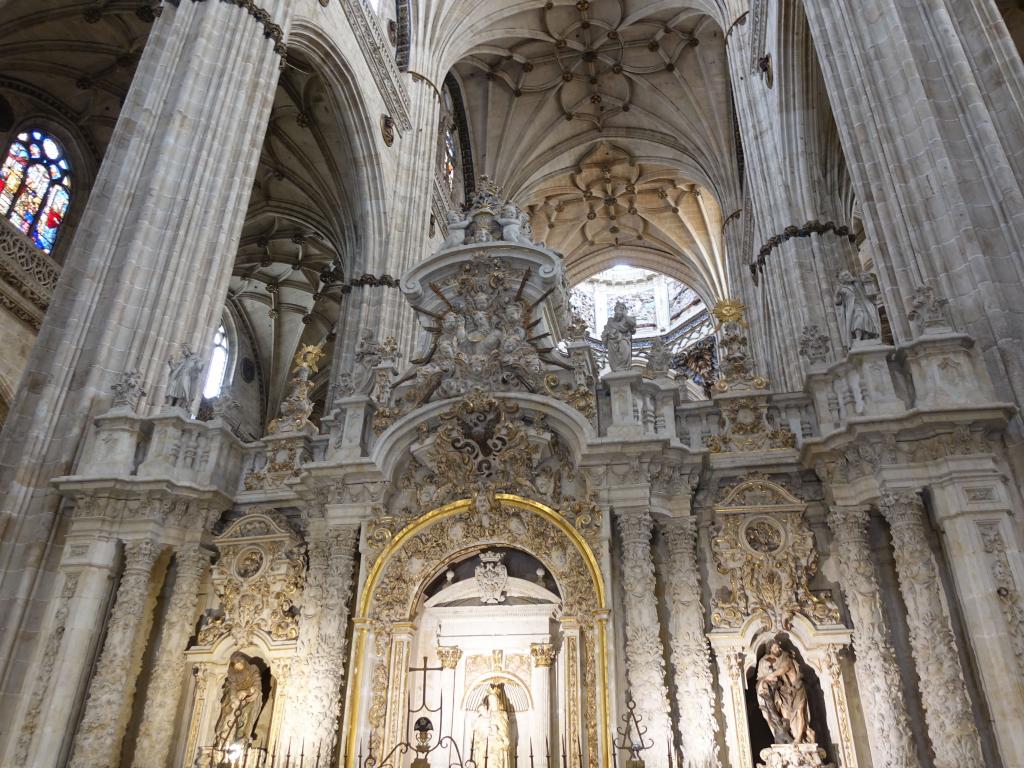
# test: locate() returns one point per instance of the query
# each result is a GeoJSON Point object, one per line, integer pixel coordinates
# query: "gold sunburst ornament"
{"type": "Point", "coordinates": [729, 311]}
{"type": "Point", "coordinates": [308, 356]}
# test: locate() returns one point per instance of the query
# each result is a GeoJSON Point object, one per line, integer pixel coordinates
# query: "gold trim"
{"type": "Point", "coordinates": [361, 621]}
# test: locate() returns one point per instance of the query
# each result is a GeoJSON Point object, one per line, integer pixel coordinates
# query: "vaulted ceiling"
{"type": "Point", "coordinates": [612, 121]}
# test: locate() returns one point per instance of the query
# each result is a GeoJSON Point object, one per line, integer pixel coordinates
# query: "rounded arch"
{"type": "Point", "coordinates": [542, 511]}
{"type": "Point", "coordinates": [418, 553]}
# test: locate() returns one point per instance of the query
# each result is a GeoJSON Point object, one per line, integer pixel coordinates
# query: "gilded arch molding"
{"type": "Point", "coordinates": [417, 553]}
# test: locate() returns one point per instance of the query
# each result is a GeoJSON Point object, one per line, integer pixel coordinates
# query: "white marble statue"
{"type": "Point", "coordinates": [457, 225]}
{"type": "Point", "coordinates": [183, 378]}
{"type": "Point", "coordinates": [492, 739]}
{"type": "Point", "coordinates": [511, 224]}
{"type": "Point", "coordinates": [859, 317]}
{"type": "Point", "coordinates": [618, 336]}
{"type": "Point", "coordinates": [782, 697]}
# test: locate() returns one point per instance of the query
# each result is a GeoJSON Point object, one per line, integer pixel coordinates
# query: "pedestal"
{"type": "Point", "coordinates": [793, 756]}
{"type": "Point", "coordinates": [624, 386]}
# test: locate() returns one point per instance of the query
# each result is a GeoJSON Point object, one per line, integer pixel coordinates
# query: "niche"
{"type": "Point", "coordinates": [760, 732]}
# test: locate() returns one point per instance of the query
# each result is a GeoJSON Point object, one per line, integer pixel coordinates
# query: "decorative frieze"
{"type": "Point", "coordinates": [947, 705]}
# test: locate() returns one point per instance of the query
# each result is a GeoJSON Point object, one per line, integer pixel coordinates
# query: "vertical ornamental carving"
{"type": "Point", "coordinates": [1006, 587]}
{"type": "Point", "coordinates": [948, 710]}
{"type": "Point", "coordinates": [645, 655]}
{"type": "Point", "coordinates": [165, 687]}
{"type": "Point", "coordinates": [44, 673]}
{"type": "Point", "coordinates": [98, 740]}
{"type": "Point", "coordinates": [890, 738]}
{"type": "Point", "coordinates": [691, 657]}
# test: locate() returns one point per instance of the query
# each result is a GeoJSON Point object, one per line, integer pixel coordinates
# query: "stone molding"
{"type": "Point", "coordinates": [378, 56]}
{"type": "Point", "coordinates": [28, 276]}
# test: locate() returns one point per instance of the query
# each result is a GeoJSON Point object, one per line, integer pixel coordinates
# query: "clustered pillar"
{"type": "Point", "coordinates": [947, 706]}
{"type": "Point", "coordinates": [889, 734]}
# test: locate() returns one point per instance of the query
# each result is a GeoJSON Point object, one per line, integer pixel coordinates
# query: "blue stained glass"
{"type": "Point", "coordinates": [35, 186]}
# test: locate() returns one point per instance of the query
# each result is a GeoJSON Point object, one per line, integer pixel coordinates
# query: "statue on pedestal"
{"type": "Point", "coordinates": [618, 336]}
{"type": "Point", "coordinates": [457, 224]}
{"type": "Point", "coordinates": [782, 697]}
{"type": "Point", "coordinates": [859, 317]}
{"type": "Point", "coordinates": [183, 378]}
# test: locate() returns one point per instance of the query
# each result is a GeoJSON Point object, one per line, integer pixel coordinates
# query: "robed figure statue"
{"type": "Point", "coordinates": [782, 697]}
{"type": "Point", "coordinates": [491, 747]}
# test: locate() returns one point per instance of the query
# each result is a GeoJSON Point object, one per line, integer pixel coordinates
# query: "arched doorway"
{"type": "Point", "coordinates": [407, 587]}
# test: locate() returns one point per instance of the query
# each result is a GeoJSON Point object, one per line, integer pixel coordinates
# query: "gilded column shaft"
{"type": "Point", "coordinates": [948, 710]}
{"type": "Point", "coordinates": [98, 739]}
{"type": "Point", "coordinates": [164, 694]}
{"type": "Point", "coordinates": [890, 738]}
{"type": "Point", "coordinates": [691, 657]}
{"type": "Point", "coordinates": [645, 655]}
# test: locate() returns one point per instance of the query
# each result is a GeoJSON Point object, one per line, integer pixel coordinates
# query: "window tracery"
{"type": "Point", "coordinates": [35, 187]}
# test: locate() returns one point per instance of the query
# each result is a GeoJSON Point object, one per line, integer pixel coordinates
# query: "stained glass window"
{"type": "Point", "coordinates": [449, 158]}
{"type": "Point", "coordinates": [35, 187]}
{"type": "Point", "coordinates": [218, 368]}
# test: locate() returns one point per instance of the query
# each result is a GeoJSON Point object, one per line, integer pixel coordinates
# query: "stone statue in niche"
{"type": "Point", "coordinates": [457, 224]}
{"type": "Point", "coordinates": [618, 336]}
{"type": "Point", "coordinates": [782, 697]}
{"type": "Point", "coordinates": [183, 378]}
{"type": "Point", "coordinates": [240, 704]}
{"type": "Point", "coordinates": [491, 732]}
{"type": "Point", "coordinates": [859, 318]}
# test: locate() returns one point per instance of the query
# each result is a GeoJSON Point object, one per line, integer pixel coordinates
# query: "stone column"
{"type": "Point", "coordinates": [928, 102]}
{"type": "Point", "coordinates": [540, 681]}
{"type": "Point", "coordinates": [318, 670]}
{"type": "Point", "coordinates": [645, 655]}
{"type": "Point", "coordinates": [947, 705]}
{"type": "Point", "coordinates": [786, 129]}
{"type": "Point", "coordinates": [691, 658]}
{"type": "Point", "coordinates": [147, 270]}
{"type": "Point", "coordinates": [153, 746]}
{"type": "Point", "coordinates": [109, 702]}
{"type": "Point", "coordinates": [878, 677]}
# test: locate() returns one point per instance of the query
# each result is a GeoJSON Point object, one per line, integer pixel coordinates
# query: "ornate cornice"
{"type": "Point", "coordinates": [377, 52]}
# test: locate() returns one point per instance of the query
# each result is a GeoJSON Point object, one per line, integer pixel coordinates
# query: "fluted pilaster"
{"type": "Point", "coordinates": [164, 694]}
{"type": "Point", "coordinates": [947, 706]}
{"type": "Point", "coordinates": [645, 655]}
{"type": "Point", "coordinates": [878, 676]}
{"type": "Point", "coordinates": [99, 736]}
{"type": "Point", "coordinates": [691, 657]}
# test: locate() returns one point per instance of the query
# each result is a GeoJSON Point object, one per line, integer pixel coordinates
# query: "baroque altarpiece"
{"type": "Point", "coordinates": [501, 552]}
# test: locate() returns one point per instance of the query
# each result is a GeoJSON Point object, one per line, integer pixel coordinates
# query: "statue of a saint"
{"type": "Point", "coordinates": [659, 358]}
{"type": "Point", "coordinates": [240, 704]}
{"type": "Point", "coordinates": [859, 317]}
{"type": "Point", "coordinates": [183, 378]}
{"type": "Point", "coordinates": [457, 224]}
{"type": "Point", "coordinates": [492, 744]}
{"type": "Point", "coordinates": [782, 697]}
{"type": "Point", "coordinates": [618, 336]}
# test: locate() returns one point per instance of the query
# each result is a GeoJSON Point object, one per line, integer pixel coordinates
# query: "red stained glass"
{"type": "Point", "coordinates": [35, 187]}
